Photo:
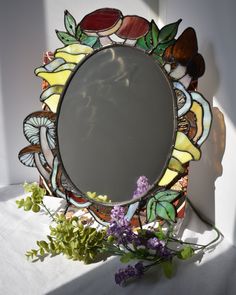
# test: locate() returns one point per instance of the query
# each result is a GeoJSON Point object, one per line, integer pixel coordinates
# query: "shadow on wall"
{"type": "Point", "coordinates": [22, 44]}
{"type": "Point", "coordinates": [204, 173]}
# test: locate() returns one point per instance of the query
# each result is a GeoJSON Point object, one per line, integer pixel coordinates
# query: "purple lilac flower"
{"type": "Point", "coordinates": [120, 227]}
{"type": "Point", "coordinates": [129, 272]}
{"type": "Point", "coordinates": [159, 246]}
{"type": "Point", "coordinates": [142, 186]}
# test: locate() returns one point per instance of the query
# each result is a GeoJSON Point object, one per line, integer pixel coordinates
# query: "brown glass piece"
{"type": "Point", "coordinates": [133, 27]}
{"type": "Point", "coordinates": [196, 67]}
{"type": "Point", "coordinates": [185, 47]}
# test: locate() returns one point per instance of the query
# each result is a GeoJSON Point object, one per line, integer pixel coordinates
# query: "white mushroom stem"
{"type": "Point", "coordinates": [178, 72]}
{"type": "Point", "coordinates": [48, 155]}
{"type": "Point", "coordinates": [130, 42]}
{"type": "Point", "coordinates": [40, 167]}
{"type": "Point", "coordinates": [105, 40]}
{"type": "Point", "coordinates": [186, 80]}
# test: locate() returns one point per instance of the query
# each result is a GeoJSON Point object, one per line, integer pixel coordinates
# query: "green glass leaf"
{"type": "Point", "coordinates": [97, 45]}
{"type": "Point", "coordinates": [168, 269]}
{"type": "Point", "coordinates": [165, 210]}
{"type": "Point", "coordinates": [151, 210]}
{"type": "Point", "coordinates": [167, 196]}
{"type": "Point", "coordinates": [160, 49]}
{"type": "Point", "coordinates": [185, 253]}
{"type": "Point", "coordinates": [149, 40]}
{"type": "Point", "coordinates": [89, 40]}
{"type": "Point", "coordinates": [70, 23]}
{"type": "Point", "coordinates": [155, 33]}
{"type": "Point", "coordinates": [78, 32]}
{"type": "Point", "coordinates": [159, 59]}
{"type": "Point", "coordinates": [66, 38]}
{"type": "Point", "coordinates": [169, 31]}
{"type": "Point", "coordinates": [141, 43]}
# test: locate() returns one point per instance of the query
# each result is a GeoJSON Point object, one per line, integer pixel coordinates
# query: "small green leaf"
{"type": "Point", "coordinates": [20, 203]}
{"type": "Point", "coordinates": [66, 38]}
{"type": "Point", "coordinates": [127, 257]}
{"type": "Point", "coordinates": [155, 33]}
{"type": "Point", "coordinates": [165, 210]}
{"type": "Point", "coordinates": [185, 253]}
{"type": "Point", "coordinates": [28, 205]}
{"type": "Point", "coordinates": [168, 32]}
{"type": "Point", "coordinates": [168, 195]}
{"type": "Point", "coordinates": [168, 270]}
{"type": "Point", "coordinates": [70, 23]}
{"type": "Point", "coordinates": [35, 208]}
{"type": "Point", "coordinates": [43, 245]}
{"type": "Point", "coordinates": [41, 251]}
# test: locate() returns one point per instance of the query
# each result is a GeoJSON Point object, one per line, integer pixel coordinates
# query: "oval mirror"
{"type": "Point", "coordinates": [116, 121]}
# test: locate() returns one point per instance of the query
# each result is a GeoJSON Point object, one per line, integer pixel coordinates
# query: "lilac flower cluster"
{"type": "Point", "coordinates": [159, 246]}
{"type": "Point", "coordinates": [142, 187]}
{"type": "Point", "coordinates": [129, 272]}
{"type": "Point", "coordinates": [120, 228]}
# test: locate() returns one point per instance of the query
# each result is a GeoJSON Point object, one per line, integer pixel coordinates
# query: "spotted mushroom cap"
{"type": "Point", "coordinates": [102, 22]}
{"type": "Point", "coordinates": [26, 155]}
{"type": "Point", "coordinates": [133, 27]}
{"type": "Point", "coordinates": [32, 125]}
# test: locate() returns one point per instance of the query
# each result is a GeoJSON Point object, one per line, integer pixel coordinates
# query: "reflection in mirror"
{"type": "Point", "coordinates": [116, 122]}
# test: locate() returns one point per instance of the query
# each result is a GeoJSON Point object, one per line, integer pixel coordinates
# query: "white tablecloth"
{"type": "Point", "coordinates": [215, 275]}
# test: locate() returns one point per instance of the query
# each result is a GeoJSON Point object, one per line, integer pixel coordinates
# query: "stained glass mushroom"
{"type": "Point", "coordinates": [133, 27]}
{"type": "Point", "coordinates": [39, 128]}
{"type": "Point", "coordinates": [102, 23]}
{"type": "Point", "coordinates": [32, 156]}
{"type": "Point", "coordinates": [183, 61]}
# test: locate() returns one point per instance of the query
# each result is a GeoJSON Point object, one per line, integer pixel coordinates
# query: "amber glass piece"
{"type": "Point", "coordinates": [133, 27]}
{"type": "Point", "coordinates": [192, 129]}
{"type": "Point", "coordinates": [101, 20]}
{"type": "Point", "coordinates": [185, 47]}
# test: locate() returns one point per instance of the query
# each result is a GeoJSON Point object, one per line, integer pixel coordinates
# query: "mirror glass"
{"type": "Point", "coordinates": [116, 122]}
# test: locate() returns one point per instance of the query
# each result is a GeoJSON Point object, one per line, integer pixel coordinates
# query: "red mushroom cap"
{"type": "Point", "coordinates": [133, 27]}
{"type": "Point", "coordinates": [101, 20]}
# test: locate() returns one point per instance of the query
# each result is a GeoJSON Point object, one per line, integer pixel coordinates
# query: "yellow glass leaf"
{"type": "Point", "coordinates": [75, 49]}
{"type": "Point", "coordinates": [197, 110]}
{"type": "Point", "coordinates": [183, 143]}
{"type": "Point", "coordinates": [52, 102]}
{"type": "Point", "coordinates": [183, 157]}
{"type": "Point", "coordinates": [71, 58]}
{"type": "Point", "coordinates": [167, 177]}
{"type": "Point", "coordinates": [175, 165]}
{"type": "Point", "coordinates": [55, 78]}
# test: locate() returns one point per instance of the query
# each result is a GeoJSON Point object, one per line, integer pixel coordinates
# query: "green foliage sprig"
{"type": "Point", "coordinates": [84, 243]}
{"type": "Point", "coordinates": [35, 200]}
{"type": "Point", "coordinates": [72, 239]}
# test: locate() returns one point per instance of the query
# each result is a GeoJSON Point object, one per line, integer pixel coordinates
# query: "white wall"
{"type": "Point", "coordinates": [28, 28]}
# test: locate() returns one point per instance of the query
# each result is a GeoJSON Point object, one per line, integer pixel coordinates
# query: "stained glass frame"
{"type": "Point", "coordinates": [176, 58]}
